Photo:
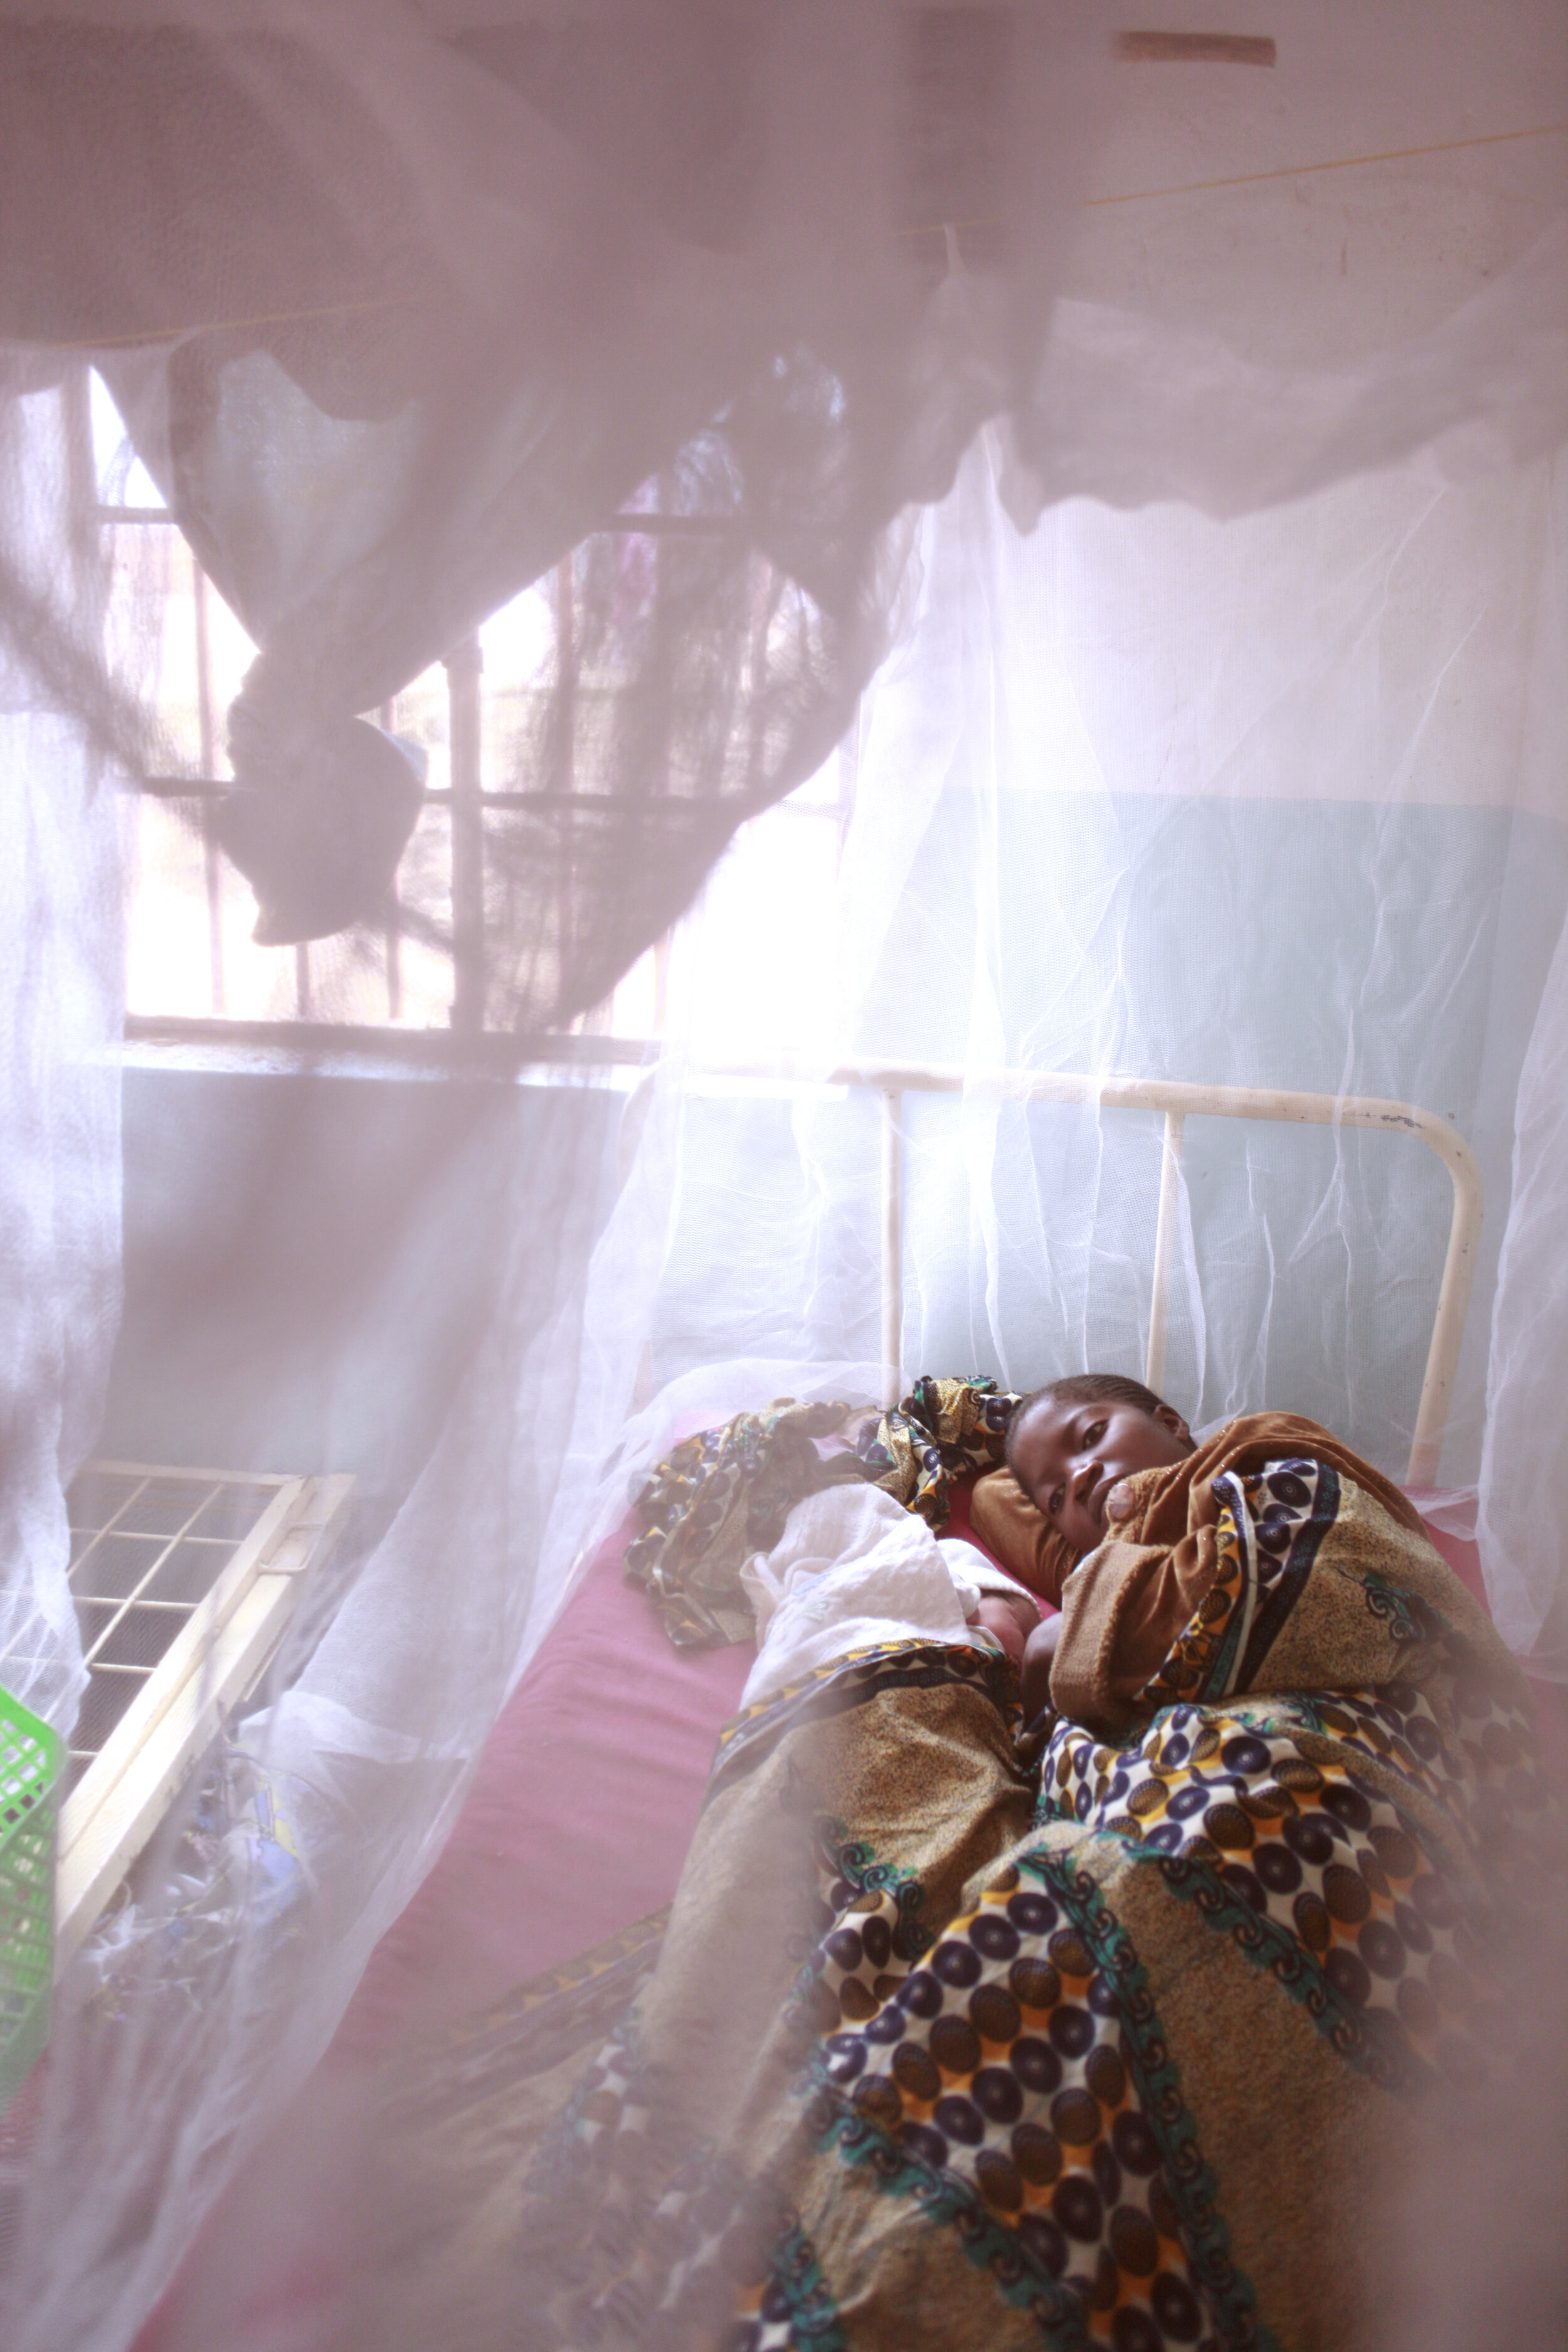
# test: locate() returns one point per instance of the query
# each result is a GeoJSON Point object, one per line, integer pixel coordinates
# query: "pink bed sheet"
{"type": "Point", "coordinates": [578, 1820]}
{"type": "Point", "coordinates": [580, 1816]}
{"type": "Point", "coordinates": [576, 1825]}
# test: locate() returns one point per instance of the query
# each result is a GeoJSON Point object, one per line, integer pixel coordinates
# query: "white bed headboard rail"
{"type": "Point", "coordinates": [310, 1044]}
{"type": "Point", "coordinates": [1178, 1100]}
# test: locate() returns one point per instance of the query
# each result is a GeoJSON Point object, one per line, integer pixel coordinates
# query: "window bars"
{"type": "Point", "coordinates": [448, 869]}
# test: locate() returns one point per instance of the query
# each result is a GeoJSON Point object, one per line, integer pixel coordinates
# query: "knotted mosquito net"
{"type": "Point", "coordinates": [659, 662]}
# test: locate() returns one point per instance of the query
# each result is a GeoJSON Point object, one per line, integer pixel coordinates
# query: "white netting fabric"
{"type": "Point", "coordinates": [1140, 485]}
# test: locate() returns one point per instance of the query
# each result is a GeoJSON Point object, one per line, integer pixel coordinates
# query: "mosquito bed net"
{"type": "Point", "coordinates": [705, 703]}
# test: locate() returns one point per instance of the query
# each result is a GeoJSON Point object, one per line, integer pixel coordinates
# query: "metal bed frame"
{"type": "Point", "coordinates": [1179, 1100]}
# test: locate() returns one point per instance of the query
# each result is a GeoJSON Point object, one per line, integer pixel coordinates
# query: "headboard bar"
{"type": "Point", "coordinates": [506, 1056]}
{"type": "Point", "coordinates": [1179, 1100]}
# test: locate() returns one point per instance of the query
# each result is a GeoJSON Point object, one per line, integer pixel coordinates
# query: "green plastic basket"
{"type": "Point", "coordinates": [32, 1758]}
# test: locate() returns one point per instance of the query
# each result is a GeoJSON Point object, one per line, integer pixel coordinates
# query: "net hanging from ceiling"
{"type": "Point", "coordinates": [958, 548]}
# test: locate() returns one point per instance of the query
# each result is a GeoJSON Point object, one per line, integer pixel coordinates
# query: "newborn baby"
{"type": "Point", "coordinates": [854, 1569]}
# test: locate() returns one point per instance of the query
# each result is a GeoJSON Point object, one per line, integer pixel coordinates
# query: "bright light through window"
{"type": "Point", "coordinates": [172, 637]}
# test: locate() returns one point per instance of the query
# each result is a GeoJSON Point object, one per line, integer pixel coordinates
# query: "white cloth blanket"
{"type": "Point", "coordinates": [852, 1567]}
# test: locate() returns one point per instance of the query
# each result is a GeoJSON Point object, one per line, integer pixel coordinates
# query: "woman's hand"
{"type": "Point", "coordinates": [1035, 1672]}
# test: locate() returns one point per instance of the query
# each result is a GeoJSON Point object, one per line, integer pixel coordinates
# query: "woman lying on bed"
{"type": "Point", "coordinates": [1127, 2045]}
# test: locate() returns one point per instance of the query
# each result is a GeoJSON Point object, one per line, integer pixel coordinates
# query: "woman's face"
{"type": "Point", "coordinates": [1068, 1457]}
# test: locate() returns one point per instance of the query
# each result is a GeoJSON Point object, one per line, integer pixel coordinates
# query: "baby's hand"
{"type": "Point", "coordinates": [1012, 1620]}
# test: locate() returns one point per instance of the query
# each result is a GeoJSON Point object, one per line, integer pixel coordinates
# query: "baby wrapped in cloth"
{"type": "Point", "coordinates": [854, 1568]}
{"type": "Point", "coordinates": [1130, 2045]}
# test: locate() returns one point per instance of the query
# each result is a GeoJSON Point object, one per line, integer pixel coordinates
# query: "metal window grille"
{"type": "Point", "coordinates": [451, 851]}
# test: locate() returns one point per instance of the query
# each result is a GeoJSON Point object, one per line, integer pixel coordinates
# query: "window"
{"type": "Point", "coordinates": [421, 972]}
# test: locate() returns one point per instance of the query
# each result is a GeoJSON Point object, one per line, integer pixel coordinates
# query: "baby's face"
{"type": "Point", "coordinates": [1068, 1457]}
